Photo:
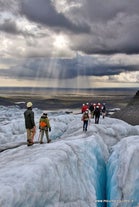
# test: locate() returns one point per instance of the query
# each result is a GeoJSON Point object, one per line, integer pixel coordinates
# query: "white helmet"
{"type": "Point", "coordinates": [29, 104]}
{"type": "Point", "coordinates": [45, 113]}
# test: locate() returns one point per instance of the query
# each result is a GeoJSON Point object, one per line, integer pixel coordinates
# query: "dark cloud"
{"type": "Point", "coordinates": [9, 7]}
{"type": "Point", "coordinates": [109, 9]}
{"type": "Point", "coordinates": [114, 27]}
{"type": "Point", "coordinates": [64, 69]}
{"type": "Point", "coordinates": [108, 27]}
{"type": "Point", "coordinates": [45, 13]}
{"type": "Point", "coordinates": [94, 27]}
{"type": "Point", "coordinates": [9, 26]}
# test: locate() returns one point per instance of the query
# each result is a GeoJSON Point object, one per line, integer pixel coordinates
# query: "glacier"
{"type": "Point", "coordinates": [98, 168]}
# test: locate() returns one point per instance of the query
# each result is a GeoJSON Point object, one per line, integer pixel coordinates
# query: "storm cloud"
{"type": "Point", "coordinates": [65, 68]}
{"type": "Point", "coordinates": [105, 27]}
{"type": "Point", "coordinates": [47, 36]}
{"type": "Point", "coordinates": [93, 26]}
{"type": "Point", "coordinates": [45, 13]}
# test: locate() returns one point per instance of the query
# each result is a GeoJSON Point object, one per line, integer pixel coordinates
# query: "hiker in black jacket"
{"type": "Point", "coordinates": [97, 114]}
{"type": "Point", "coordinates": [103, 109]}
{"type": "Point", "coordinates": [30, 124]}
{"type": "Point", "coordinates": [91, 108]}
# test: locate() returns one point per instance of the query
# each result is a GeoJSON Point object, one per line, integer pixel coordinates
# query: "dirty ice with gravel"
{"type": "Point", "coordinates": [99, 167]}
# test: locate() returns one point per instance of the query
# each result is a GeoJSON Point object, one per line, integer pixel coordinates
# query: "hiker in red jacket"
{"type": "Point", "coordinates": [83, 109]}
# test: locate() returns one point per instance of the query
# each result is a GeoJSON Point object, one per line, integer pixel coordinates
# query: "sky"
{"type": "Point", "coordinates": [69, 43]}
{"type": "Point", "coordinates": [76, 169]}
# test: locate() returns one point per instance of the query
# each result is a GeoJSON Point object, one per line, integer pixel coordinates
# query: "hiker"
{"type": "Point", "coordinates": [103, 110]}
{"type": "Point", "coordinates": [44, 126]}
{"type": "Point", "coordinates": [87, 106]}
{"type": "Point", "coordinates": [91, 108]}
{"type": "Point", "coordinates": [100, 106]}
{"type": "Point", "coordinates": [85, 119]}
{"type": "Point", "coordinates": [30, 124]}
{"type": "Point", "coordinates": [97, 114]}
{"type": "Point", "coordinates": [83, 108]}
{"type": "Point", "coordinates": [94, 104]}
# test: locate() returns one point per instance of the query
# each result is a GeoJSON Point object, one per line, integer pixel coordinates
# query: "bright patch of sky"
{"type": "Point", "coordinates": [65, 5]}
{"type": "Point", "coordinates": [131, 77]}
{"type": "Point", "coordinates": [60, 41]}
{"type": "Point", "coordinates": [24, 25]}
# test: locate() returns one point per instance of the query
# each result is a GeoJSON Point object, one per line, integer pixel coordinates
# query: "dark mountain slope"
{"type": "Point", "coordinates": [130, 113]}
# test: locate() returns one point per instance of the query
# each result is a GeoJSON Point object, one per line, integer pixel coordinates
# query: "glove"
{"type": "Point", "coordinates": [50, 129]}
{"type": "Point", "coordinates": [34, 129]}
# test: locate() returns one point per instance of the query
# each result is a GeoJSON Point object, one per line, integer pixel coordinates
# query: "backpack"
{"type": "Point", "coordinates": [42, 124]}
{"type": "Point", "coordinates": [85, 116]}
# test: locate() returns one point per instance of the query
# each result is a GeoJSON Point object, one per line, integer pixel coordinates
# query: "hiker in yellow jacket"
{"type": "Point", "coordinates": [44, 126]}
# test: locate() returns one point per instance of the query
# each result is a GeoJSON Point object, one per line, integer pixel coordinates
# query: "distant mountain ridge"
{"type": "Point", "coordinates": [14, 89]}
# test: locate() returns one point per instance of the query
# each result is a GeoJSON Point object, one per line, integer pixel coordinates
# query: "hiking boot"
{"type": "Point", "coordinates": [49, 140]}
{"type": "Point", "coordinates": [30, 143]}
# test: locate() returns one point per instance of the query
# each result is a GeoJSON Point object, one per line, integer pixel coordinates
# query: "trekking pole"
{"type": "Point", "coordinates": [39, 136]}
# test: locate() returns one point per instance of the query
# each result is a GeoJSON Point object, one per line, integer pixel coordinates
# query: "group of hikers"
{"type": "Point", "coordinates": [93, 110]}
{"type": "Point", "coordinates": [44, 125]}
